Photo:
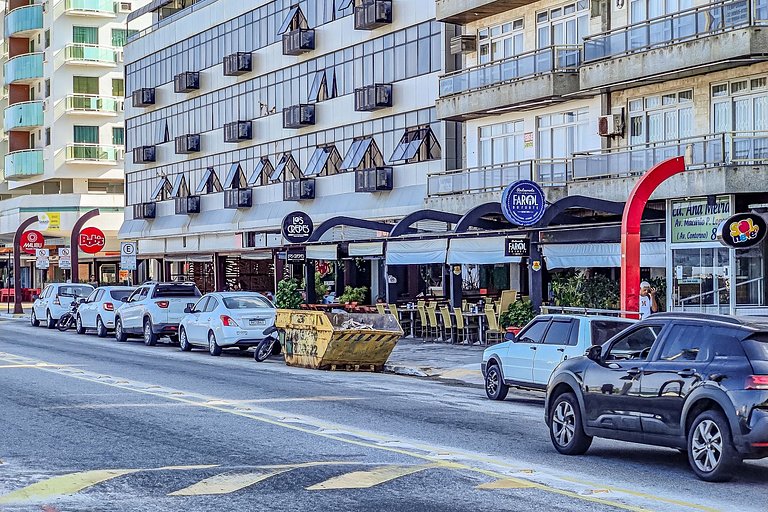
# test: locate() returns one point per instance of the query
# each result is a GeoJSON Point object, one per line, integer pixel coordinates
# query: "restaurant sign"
{"type": "Point", "coordinates": [516, 247]}
{"type": "Point", "coordinates": [742, 231]}
{"type": "Point", "coordinates": [296, 255]}
{"type": "Point", "coordinates": [698, 220]}
{"type": "Point", "coordinates": [523, 203]}
{"type": "Point", "coordinates": [297, 227]}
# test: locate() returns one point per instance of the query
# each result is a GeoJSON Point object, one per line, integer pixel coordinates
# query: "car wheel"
{"type": "Point", "coordinates": [50, 323]}
{"type": "Point", "coordinates": [101, 329]}
{"type": "Point", "coordinates": [119, 333]}
{"type": "Point", "coordinates": [79, 329]}
{"type": "Point", "coordinates": [150, 338]}
{"type": "Point", "coordinates": [33, 319]}
{"type": "Point", "coordinates": [184, 345]}
{"type": "Point", "coordinates": [711, 453]}
{"type": "Point", "coordinates": [565, 427]}
{"type": "Point", "coordinates": [495, 389]}
{"type": "Point", "coordinates": [213, 347]}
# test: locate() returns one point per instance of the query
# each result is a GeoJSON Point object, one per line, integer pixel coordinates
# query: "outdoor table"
{"type": "Point", "coordinates": [480, 323]}
{"type": "Point", "coordinates": [412, 312]}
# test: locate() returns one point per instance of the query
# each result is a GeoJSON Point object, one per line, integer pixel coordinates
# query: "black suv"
{"type": "Point", "coordinates": [698, 383]}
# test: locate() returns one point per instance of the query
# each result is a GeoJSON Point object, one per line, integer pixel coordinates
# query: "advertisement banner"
{"type": "Point", "coordinates": [698, 219]}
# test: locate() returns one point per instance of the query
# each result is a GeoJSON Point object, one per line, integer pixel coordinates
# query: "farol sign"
{"type": "Point", "coordinates": [523, 203]}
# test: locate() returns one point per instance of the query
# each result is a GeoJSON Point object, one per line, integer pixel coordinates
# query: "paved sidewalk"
{"type": "Point", "coordinates": [458, 363]}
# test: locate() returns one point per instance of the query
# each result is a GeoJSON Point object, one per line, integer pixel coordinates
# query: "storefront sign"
{"type": "Point", "coordinates": [515, 247]}
{"type": "Point", "coordinates": [522, 203]}
{"type": "Point", "coordinates": [296, 255]}
{"type": "Point", "coordinates": [49, 220]}
{"type": "Point", "coordinates": [43, 258]}
{"type": "Point", "coordinates": [91, 240]}
{"type": "Point", "coordinates": [65, 258]}
{"type": "Point", "coordinates": [128, 255]}
{"type": "Point", "coordinates": [297, 227]}
{"type": "Point", "coordinates": [697, 220]}
{"type": "Point", "coordinates": [742, 230]}
{"type": "Point", "coordinates": [31, 241]}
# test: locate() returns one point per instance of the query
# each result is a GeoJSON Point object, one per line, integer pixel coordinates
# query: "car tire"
{"type": "Point", "coordinates": [79, 329]}
{"type": "Point", "coordinates": [120, 334]}
{"type": "Point", "coordinates": [50, 323]}
{"type": "Point", "coordinates": [213, 348]}
{"type": "Point", "coordinates": [495, 389]}
{"type": "Point", "coordinates": [150, 338]}
{"type": "Point", "coordinates": [33, 319]}
{"type": "Point", "coordinates": [711, 452]}
{"type": "Point", "coordinates": [101, 329]}
{"type": "Point", "coordinates": [566, 429]}
{"type": "Point", "coordinates": [184, 345]}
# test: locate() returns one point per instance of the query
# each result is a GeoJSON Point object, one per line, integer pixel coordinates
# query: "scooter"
{"type": "Point", "coordinates": [68, 320]}
{"type": "Point", "coordinates": [267, 346]}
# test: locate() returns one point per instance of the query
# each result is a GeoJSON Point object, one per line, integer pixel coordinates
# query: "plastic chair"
{"type": "Point", "coordinates": [433, 326]}
{"type": "Point", "coordinates": [445, 315]}
{"type": "Point", "coordinates": [423, 327]}
{"type": "Point", "coordinates": [464, 305]}
{"type": "Point", "coordinates": [405, 323]}
{"type": "Point", "coordinates": [463, 328]}
{"type": "Point", "coordinates": [380, 308]}
{"type": "Point", "coordinates": [493, 330]}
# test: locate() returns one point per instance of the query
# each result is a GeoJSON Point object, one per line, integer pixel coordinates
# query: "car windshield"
{"type": "Point", "coordinates": [74, 291]}
{"type": "Point", "coordinates": [170, 290]}
{"type": "Point", "coordinates": [603, 330]}
{"type": "Point", "coordinates": [120, 294]}
{"type": "Point", "coordinates": [246, 302]}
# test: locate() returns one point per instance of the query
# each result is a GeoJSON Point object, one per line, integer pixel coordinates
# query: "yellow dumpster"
{"type": "Point", "coordinates": [330, 341]}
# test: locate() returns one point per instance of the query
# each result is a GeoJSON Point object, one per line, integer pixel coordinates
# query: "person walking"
{"type": "Point", "coordinates": [648, 304]}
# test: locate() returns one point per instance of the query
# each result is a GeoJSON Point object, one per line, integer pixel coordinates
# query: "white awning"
{"type": "Point", "coordinates": [323, 252]}
{"type": "Point", "coordinates": [132, 229]}
{"type": "Point", "coordinates": [168, 225]}
{"type": "Point", "coordinates": [652, 254]}
{"type": "Point", "coordinates": [366, 249]}
{"type": "Point", "coordinates": [479, 251]}
{"type": "Point", "coordinates": [416, 252]}
{"type": "Point", "coordinates": [213, 221]}
{"type": "Point", "coordinates": [257, 255]}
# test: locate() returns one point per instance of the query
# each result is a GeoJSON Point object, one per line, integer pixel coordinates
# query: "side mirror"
{"type": "Point", "coordinates": [35, 296]}
{"type": "Point", "coordinates": [189, 309]}
{"type": "Point", "coordinates": [595, 353]}
{"type": "Point", "coordinates": [82, 301]}
{"type": "Point", "coordinates": [124, 299]}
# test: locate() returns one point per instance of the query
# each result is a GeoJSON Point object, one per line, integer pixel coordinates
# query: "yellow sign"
{"type": "Point", "coordinates": [536, 265]}
{"type": "Point", "coordinates": [54, 219]}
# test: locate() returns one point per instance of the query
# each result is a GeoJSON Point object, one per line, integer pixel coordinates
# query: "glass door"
{"type": "Point", "coordinates": [701, 280]}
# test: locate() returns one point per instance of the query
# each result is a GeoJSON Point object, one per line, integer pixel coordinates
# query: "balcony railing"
{"type": "Point", "coordinates": [23, 164]}
{"type": "Point", "coordinates": [672, 28]}
{"type": "Point", "coordinates": [96, 153]}
{"type": "Point", "coordinates": [23, 19]}
{"type": "Point", "coordinates": [546, 60]}
{"type": "Point", "coordinates": [91, 54]}
{"type": "Point", "coordinates": [494, 178]}
{"type": "Point", "coordinates": [24, 68]}
{"type": "Point", "coordinates": [96, 7]}
{"type": "Point", "coordinates": [28, 114]}
{"type": "Point", "coordinates": [93, 104]}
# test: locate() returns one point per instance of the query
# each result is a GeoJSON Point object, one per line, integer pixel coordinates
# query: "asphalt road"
{"type": "Point", "coordinates": [91, 424]}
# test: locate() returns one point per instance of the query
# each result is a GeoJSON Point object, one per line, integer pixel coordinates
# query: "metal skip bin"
{"type": "Point", "coordinates": [337, 340]}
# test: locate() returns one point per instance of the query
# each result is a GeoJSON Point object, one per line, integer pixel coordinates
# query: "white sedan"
{"type": "Point", "coordinates": [98, 310]}
{"type": "Point", "coordinates": [226, 320]}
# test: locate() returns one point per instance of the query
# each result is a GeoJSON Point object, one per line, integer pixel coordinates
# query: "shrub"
{"type": "Point", "coordinates": [518, 314]}
{"type": "Point", "coordinates": [352, 294]}
{"type": "Point", "coordinates": [288, 294]}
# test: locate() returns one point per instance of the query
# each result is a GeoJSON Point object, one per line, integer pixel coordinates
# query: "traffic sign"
{"type": "Point", "coordinates": [43, 258]}
{"type": "Point", "coordinates": [128, 255]}
{"type": "Point", "coordinates": [31, 241]}
{"type": "Point", "coordinates": [65, 258]}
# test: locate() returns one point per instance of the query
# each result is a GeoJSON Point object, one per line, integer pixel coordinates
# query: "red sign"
{"type": "Point", "coordinates": [31, 241]}
{"type": "Point", "coordinates": [92, 240]}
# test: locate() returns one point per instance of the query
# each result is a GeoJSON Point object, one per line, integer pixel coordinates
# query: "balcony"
{"type": "Point", "coordinates": [372, 14]}
{"type": "Point", "coordinates": [89, 104]}
{"type": "Point", "coordinates": [92, 55]}
{"type": "Point", "coordinates": [24, 20]}
{"type": "Point", "coordinates": [24, 116]}
{"type": "Point", "coordinates": [238, 64]}
{"type": "Point", "coordinates": [298, 116]}
{"type": "Point", "coordinates": [24, 164]}
{"type": "Point", "coordinates": [185, 144]}
{"type": "Point", "coordinates": [495, 178]}
{"type": "Point", "coordinates": [93, 153]}
{"type": "Point", "coordinates": [373, 97]}
{"type": "Point", "coordinates": [187, 81]}
{"type": "Point", "coordinates": [299, 190]}
{"type": "Point", "coordinates": [528, 80]}
{"type": "Point", "coordinates": [144, 154]}
{"type": "Point", "coordinates": [299, 41]}
{"type": "Point", "coordinates": [24, 69]}
{"type": "Point", "coordinates": [100, 8]}
{"type": "Point", "coordinates": [708, 38]}
{"type": "Point", "coordinates": [461, 12]}
{"type": "Point", "coordinates": [375, 179]}
{"type": "Point", "coordinates": [187, 205]}
{"type": "Point", "coordinates": [143, 97]}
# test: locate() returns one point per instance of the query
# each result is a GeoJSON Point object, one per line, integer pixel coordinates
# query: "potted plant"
{"type": "Point", "coordinates": [353, 295]}
{"type": "Point", "coordinates": [517, 316]}
{"type": "Point", "coordinates": [288, 294]}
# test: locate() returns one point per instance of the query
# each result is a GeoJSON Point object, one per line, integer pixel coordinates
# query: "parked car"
{"type": "Point", "coordinates": [98, 310]}
{"type": "Point", "coordinates": [698, 383]}
{"type": "Point", "coordinates": [55, 300]}
{"type": "Point", "coordinates": [154, 310]}
{"type": "Point", "coordinates": [226, 320]}
{"type": "Point", "coordinates": [528, 360]}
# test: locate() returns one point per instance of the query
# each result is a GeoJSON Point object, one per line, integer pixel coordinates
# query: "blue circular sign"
{"type": "Point", "coordinates": [523, 203]}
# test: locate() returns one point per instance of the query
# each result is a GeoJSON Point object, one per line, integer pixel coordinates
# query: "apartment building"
{"type": "Point", "coordinates": [64, 138]}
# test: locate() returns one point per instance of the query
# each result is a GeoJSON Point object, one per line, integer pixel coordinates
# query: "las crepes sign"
{"type": "Point", "coordinates": [91, 240]}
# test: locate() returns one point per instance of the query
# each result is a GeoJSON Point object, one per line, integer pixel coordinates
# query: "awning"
{"type": "Point", "coordinates": [366, 249]}
{"type": "Point", "coordinates": [168, 225]}
{"type": "Point", "coordinates": [323, 252]}
{"type": "Point", "coordinates": [132, 229]}
{"type": "Point", "coordinates": [652, 254]}
{"type": "Point", "coordinates": [196, 258]}
{"type": "Point", "coordinates": [257, 255]}
{"type": "Point", "coordinates": [416, 252]}
{"type": "Point", "coordinates": [214, 221]}
{"type": "Point", "coordinates": [479, 251]}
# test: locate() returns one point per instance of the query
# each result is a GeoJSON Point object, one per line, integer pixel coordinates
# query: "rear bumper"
{"type": "Point", "coordinates": [754, 444]}
{"type": "Point", "coordinates": [167, 329]}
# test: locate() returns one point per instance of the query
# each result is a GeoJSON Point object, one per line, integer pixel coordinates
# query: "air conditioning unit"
{"type": "Point", "coordinates": [610, 125]}
{"type": "Point", "coordinates": [125, 7]}
{"type": "Point", "coordinates": [463, 44]}
{"type": "Point", "coordinates": [121, 154]}
{"type": "Point", "coordinates": [119, 56]}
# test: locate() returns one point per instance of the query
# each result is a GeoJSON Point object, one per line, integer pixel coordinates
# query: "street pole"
{"type": "Point", "coordinates": [74, 243]}
{"type": "Point", "coordinates": [17, 309]}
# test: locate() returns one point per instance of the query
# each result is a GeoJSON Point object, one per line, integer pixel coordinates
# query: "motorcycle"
{"type": "Point", "coordinates": [267, 346]}
{"type": "Point", "coordinates": [69, 319]}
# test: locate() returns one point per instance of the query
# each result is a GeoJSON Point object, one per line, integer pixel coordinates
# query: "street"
{"type": "Point", "coordinates": [91, 424]}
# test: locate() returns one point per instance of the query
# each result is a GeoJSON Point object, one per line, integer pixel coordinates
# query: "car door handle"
{"type": "Point", "coordinates": [686, 373]}
{"type": "Point", "coordinates": [633, 372]}
{"type": "Point", "coordinates": [561, 350]}
{"type": "Point", "coordinates": [532, 348]}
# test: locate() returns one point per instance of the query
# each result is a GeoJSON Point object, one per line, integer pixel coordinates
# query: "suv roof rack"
{"type": "Point", "coordinates": [706, 317]}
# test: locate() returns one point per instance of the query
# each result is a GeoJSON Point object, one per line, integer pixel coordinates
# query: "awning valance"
{"type": "Point", "coordinates": [479, 251]}
{"type": "Point", "coordinates": [652, 254]}
{"type": "Point", "coordinates": [323, 252]}
{"type": "Point", "coordinates": [366, 248]}
{"type": "Point", "coordinates": [416, 252]}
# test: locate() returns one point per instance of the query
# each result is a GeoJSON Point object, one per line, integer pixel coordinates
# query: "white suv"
{"type": "Point", "coordinates": [155, 310]}
{"type": "Point", "coordinates": [55, 301]}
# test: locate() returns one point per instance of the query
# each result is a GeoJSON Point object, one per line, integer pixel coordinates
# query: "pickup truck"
{"type": "Point", "coordinates": [528, 360]}
{"type": "Point", "coordinates": [155, 310]}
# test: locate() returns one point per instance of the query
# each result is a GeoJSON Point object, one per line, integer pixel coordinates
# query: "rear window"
{"type": "Point", "coordinates": [120, 294]}
{"type": "Point", "coordinates": [603, 330]}
{"type": "Point", "coordinates": [756, 347]}
{"type": "Point", "coordinates": [246, 303]}
{"type": "Point", "coordinates": [75, 291]}
{"type": "Point", "coordinates": [171, 290]}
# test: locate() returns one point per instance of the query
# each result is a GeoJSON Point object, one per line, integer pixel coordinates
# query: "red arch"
{"type": "Point", "coordinates": [630, 228]}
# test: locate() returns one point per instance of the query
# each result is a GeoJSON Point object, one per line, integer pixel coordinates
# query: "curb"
{"type": "Point", "coordinates": [409, 371]}
{"type": "Point", "coordinates": [430, 373]}
{"type": "Point", "coordinates": [11, 316]}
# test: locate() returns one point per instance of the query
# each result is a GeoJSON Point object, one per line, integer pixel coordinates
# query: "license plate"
{"type": "Point", "coordinates": [257, 321]}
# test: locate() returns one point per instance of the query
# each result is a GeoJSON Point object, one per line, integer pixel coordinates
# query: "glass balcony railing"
{"type": "Point", "coordinates": [28, 114]}
{"type": "Point", "coordinates": [495, 178]}
{"type": "Point", "coordinates": [92, 103]}
{"type": "Point", "coordinates": [24, 19]}
{"type": "Point", "coordinates": [91, 53]}
{"type": "Point", "coordinates": [680, 26]}
{"type": "Point", "coordinates": [99, 7]}
{"type": "Point", "coordinates": [526, 65]}
{"type": "Point", "coordinates": [24, 68]}
{"type": "Point", "coordinates": [23, 164]}
{"type": "Point", "coordinates": [94, 153]}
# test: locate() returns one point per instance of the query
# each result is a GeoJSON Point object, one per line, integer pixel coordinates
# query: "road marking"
{"type": "Point", "coordinates": [506, 483]}
{"type": "Point", "coordinates": [280, 400]}
{"type": "Point", "coordinates": [227, 482]}
{"type": "Point", "coordinates": [371, 478]}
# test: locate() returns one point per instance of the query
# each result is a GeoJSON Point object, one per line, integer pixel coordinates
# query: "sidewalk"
{"type": "Point", "coordinates": [6, 310]}
{"type": "Point", "coordinates": [458, 363]}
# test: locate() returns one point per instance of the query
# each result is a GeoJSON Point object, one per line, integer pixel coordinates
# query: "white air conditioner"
{"type": "Point", "coordinates": [610, 125]}
{"type": "Point", "coordinates": [125, 7]}
{"type": "Point", "coordinates": [119, 56]}
{"type": "Point", "coordinates": [463, 44]}
{"type": "Point", "coordinates": [121, 154]}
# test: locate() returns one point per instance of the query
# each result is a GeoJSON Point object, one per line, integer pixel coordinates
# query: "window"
{"type": "Point", "coordinates": [200, 306]}
{"type": "Point", "coordinates": [501, 41]}
{"type": "Point", "coordinates": [47, 38]}
{"type": "Point", "coordinates": [559, 136]}
{"type": "Point", "coordinates": [563, 25]}
{"type": "Point", "coordinates": [47, 87]}
{"type": "Point", "coordinates": [635, 345]}
{"type": "Point", "coordinates": [325, 161]}
{"type": "Point", "coordinates": [501, 143]}
{"type": "Point", "coordinates": [85, 35]}
{"type": "Point", "coordinates": [47, 136]}
{"type": "Point", "coordinates": [559, 333]}
{"type": "Point", "coordinates": [119, 295]}
{"type": "Point", "coordinates": [212, 305]}
{"type": "Point", "coordinates": [85, 84]}
{"type": "Point", "coordinates": [701, 280]}
{"type": "Point", "coordinates": [741, 106]}
{"type": "Point", "coordinates": [246, 303]}
{"type": "Point", "coordinates": [417, 145]}
{"type": "Point", "coordinates": [666, 117]}
{"type": "Point", "coordinates": [603, 330]}
{"type": "Point", "coordinates": [684, 343]}
{"type": "Point", "coordinates": [534, 333]}
{"type": "Point", "coordinates": [121, 35]}
{"type": "Point", "coordinates": [118, 87]}
{"type": "Point", "coordinates": [323, 86]}
{"type": "Point", "coordinates": [210, 183]}
{"type": "Point", "coordinates": [164, 290]}
{"type": "Point", "coordinates": [364, 153]}
{"type": "Point", "coordinates": [86, 134]}
{"type": "Point", "coordinates": [118, 136]}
